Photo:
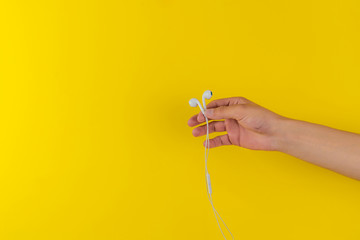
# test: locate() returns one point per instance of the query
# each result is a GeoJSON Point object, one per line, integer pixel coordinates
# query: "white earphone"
{"type": "Point", "coordinates": [193, 103]}
{"type": "Point", "coordinates": [207, 94]}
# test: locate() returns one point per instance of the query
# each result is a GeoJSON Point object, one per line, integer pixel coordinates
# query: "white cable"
{"type": "Point", "coordinates": [208, 184]}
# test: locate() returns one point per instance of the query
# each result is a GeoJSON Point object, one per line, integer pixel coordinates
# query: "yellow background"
{"type": "Point", "coordinates": [94, 142]}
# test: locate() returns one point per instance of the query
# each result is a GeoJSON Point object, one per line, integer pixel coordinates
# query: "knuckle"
{"type": "Point", "coordinates": [218, 127]}
{"type": "Point", "coordinates": [213, 127]}
{"type": "Point", "coordinates": [242, 100]}
{"type": "Point", "coordinates": [217, 141]}
{"type": "Point", "coordinates": [219, 110]}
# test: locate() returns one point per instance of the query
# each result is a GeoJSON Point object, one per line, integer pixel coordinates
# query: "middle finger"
{"type": "Point", "coordinates": [214, 126]}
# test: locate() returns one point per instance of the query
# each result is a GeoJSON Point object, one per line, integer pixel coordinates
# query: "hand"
{"type": "Point", "coordinates": [247, 124]}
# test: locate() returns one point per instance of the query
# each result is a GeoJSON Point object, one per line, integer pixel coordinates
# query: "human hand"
{"type": "Point", "coordinates": [247, 124]}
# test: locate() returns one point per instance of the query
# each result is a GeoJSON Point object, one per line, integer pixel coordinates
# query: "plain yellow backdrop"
{"type": "Point", "coordinates": [94, 142]}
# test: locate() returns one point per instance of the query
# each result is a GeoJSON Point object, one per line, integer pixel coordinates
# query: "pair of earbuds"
{"type": "Point", "coordinates": [194, 102]}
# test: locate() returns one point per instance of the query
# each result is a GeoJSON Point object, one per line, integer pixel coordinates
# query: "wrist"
{"type": "Point", "coordinates": [285, 134]}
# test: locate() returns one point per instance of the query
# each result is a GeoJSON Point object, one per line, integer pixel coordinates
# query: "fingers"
{"type": "Point", "coordinates": [224, 112]}
{"type": "Point", "coordinates": [221, 112]}
{"type": "Point", "coordinates": [216, 126]}
{"type": "Point", "coordinates": [227, 102]}
{"type": "Point", "coordinates": [197, 119]}
{"type": "Point", "coordinates": [193, 121]}
{"type": "Point", "coordinates": [219, 141]}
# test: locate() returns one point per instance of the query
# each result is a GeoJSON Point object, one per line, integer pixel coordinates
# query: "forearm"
{"type": "Point", "coordinates": [327, 147]}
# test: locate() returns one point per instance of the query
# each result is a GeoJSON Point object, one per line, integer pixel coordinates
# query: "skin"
{"type": "Point", "coordinates": [251, 126]}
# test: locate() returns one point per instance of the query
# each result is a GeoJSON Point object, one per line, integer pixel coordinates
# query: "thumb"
{"type": "Point", "coordinates": [233, 111]}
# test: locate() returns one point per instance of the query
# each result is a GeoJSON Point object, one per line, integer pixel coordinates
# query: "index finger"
{"type": "Point", "coordinates": [227, 102]}
{"type": "Point", "coordinates": [196, 120]}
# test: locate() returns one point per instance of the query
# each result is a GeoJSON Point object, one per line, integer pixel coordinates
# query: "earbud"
{"type": "Point", "coordinates": [194, 102]}
{"type": "Point", "coordinates": [207, 94]}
